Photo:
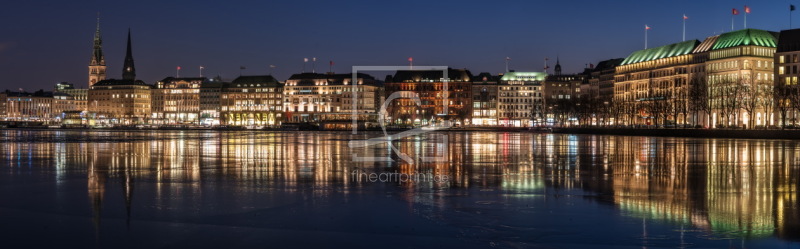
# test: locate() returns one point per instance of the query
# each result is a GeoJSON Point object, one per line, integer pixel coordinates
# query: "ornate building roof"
{"type": "Point", "coordinates": [665, 51]}
{"type": "Point", "coordinates": [746, 37]}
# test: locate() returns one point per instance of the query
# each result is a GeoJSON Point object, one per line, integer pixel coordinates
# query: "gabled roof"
{"type": "Point", "coordinates": [746, 37]}
{"type": "Point", "coordinates": [665, 51]}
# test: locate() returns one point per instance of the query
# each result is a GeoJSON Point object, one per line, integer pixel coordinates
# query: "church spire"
{"type": "Point", "coordinates": [129, 70]}
{"type": "Point", "coordinates": [97, 65]}
{"type": "Point", "coordinates": [558, 66]}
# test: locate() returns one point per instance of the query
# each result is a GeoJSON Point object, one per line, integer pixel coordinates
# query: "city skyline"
{"type": "Point", "coordinates": [481, 46]}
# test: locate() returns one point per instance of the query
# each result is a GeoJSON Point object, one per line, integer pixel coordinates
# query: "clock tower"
{"type": "Point", "coordinates": [97, 65]}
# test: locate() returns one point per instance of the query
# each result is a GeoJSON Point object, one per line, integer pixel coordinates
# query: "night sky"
{"type": "Point", "coordinates": [44, 42]}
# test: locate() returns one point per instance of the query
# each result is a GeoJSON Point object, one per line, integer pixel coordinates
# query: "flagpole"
{"type": "Point", "coordinates": [684, 27]}
{"type": "Point", "coordinates": [506, 64]}
{"type": "Point", "coordinates": [201, 71]}
{"type": "Point", "coordinates": [178, 72]}
{"type": "Point", "coordinates": [645, 36]}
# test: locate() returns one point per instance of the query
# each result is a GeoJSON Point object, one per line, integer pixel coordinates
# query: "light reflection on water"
{"type": "Point", "coordinates": [719, 189]}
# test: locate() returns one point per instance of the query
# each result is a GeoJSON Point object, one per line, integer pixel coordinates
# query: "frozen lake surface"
{"type": "Point", "coordinates": [246, 189]}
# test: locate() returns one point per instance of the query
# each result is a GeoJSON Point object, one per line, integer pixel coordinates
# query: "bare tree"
{"type": "Point", "coordinates": [698, 97]}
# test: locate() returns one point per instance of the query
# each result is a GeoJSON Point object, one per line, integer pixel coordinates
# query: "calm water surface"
{"type": "Point", "coordinates": [183, 189]}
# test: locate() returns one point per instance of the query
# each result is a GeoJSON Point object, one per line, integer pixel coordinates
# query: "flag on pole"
{"type": "Point", "coordinates": [179, 67]}
{"type": "Point", "coordinates": [271, 66]}
{"type": "Point", "coordinates": [791, 7]}
{"type": "Point", "coordinates": [646, 27]}
{"type": "Point", "coordinates": [242, 68]}
{"type": "Point", "coordinates": [410, 59]}
{"type": "Point", "coordinates": [508, 58]}
{"type": "Point", "coordinates": [735, 11]}
{"type": "Point", "coordinates": [331, 62]}
{"type": "Point", "coordinates": [685, 17]}
{"type": "Point", "coordinates": [314, 59]}
{"type": "Point", "coordinates": [746, 9]}
{"type": "Point", "coordinates": [201, 68]}
{"type": "Point", "coordinates": [305, 59]}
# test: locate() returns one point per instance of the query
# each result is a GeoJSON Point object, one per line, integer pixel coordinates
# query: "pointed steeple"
{"type": "Point", "coordinates": [97, 52]}
{"type": "Point", "coordinates": [129, 70]}
{"type": "Point", "coordinates": [558, 66]}
{"type": "Point", "coordinates": [97, 65]}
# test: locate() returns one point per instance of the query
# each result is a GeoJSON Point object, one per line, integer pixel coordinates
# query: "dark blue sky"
{"type": "Point", "coordinates": [44, 42]}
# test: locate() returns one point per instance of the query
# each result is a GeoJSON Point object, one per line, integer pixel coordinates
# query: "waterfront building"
{"type": "Point", "coordinates": [327, 100]}
{"type": "Point", "coordinates": [521, 99]}
{"type": "Point", "coordinates": [210, 92]}
{"type": "Point", "coordinates": [79, 96]}
{"type": "Point", "coordinates": [601, 90]}
{"type": "Point", "coordinates": [121, 102]}
{"type": "Point", "coordinates": [24, 106]}
{"type": "Point", "coordinates": [176, 101]}
{"type": "Point", "coordinates": [561, 93]}
{"type": "Point", "coordinates": [485, 99]}
{"type": "Point", "coordinates": [787, 89]}
{"type": "Point", "coordinates": [724, 81]}
{"type": "Point", "coordinates": [651, 86]}
{"type": "Point", "coordinates": [438, 103]}
{"type": "Point", "coordinates": [252, 101]}
{"type": "Point", "coordinates": [740, 76]}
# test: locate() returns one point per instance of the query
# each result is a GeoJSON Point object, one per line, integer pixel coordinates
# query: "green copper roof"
{"type": "Point", "coordinates": [523, 76]}
{"type": "Point", "coordinates": [670, 50]}
{"type": "Point", "coordinates": [746, 37]}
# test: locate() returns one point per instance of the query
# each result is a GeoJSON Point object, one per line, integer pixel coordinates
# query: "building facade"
{"type": "Point", "coordinates": [740, 75]}
{"type": "Point", "coordinates": [651, 86]}
{"type": "Point", "coordinates": [484, 99]}
{"type": "Point", "coordinates": [24, 106]}
{"type": "Point", "coordinates": [437, 103]}
{"type": "Point", "coordinates": [176, 101]}
{"type": "Point", "coordinates": [80, 97]}
{"type": "Point", "coordinates": [787, 89]}
{"type": "Point", "coordinates": [327, 99]}
{"type": "Point", "coordinates": [210, 94]}
{"type": "Point", "coordinates": [252, 101]}
{"type": "Point", "coordinates": [521, 99]}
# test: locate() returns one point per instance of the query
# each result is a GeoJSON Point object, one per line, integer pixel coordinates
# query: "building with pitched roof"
{"type": "Point", "coordinates": [328, 100]}
{"type": "Point", "coordinates": [651, 85]}
{"type": "Point", "coordinates": [437, 103]}
{"type": "Point", "coordinates": [176, 100]}
{"type": "Point", "coordinates": [740, 77]}
{"type": "Point", "coordinates": [484, 99]}
{"type": "Point", "coordinates": [252, 101]}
